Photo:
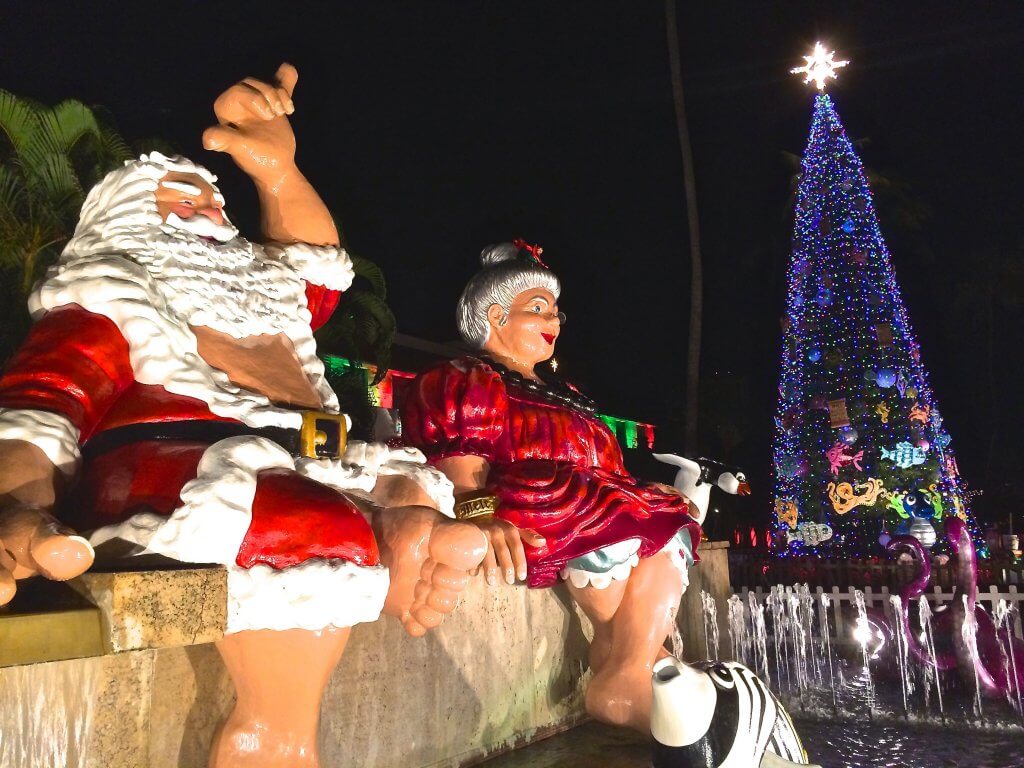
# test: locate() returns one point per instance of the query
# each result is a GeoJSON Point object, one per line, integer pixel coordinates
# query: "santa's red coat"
{"type": "Point", "coordinates": [76, 363]}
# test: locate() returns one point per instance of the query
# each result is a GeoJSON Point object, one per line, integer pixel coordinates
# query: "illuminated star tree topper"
{"type": "Point", "coordinates": [819, 67]}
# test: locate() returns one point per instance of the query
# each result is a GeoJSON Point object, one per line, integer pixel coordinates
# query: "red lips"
{"type": "Point", "coordinates": [548, 337]}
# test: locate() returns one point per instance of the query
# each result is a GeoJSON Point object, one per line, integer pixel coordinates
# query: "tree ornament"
{"type": "Point", "coordinates": [786, 511]}
{"type": "Point", "coordinates": [845, 496]}
{"type": "Point", "coordinates": [838, 457]}
{"type": "Point", "coordinates": [811, 534]}
{"type": "Point", "coordinates": [920, 413]}
{"type": "Point", "coordinates": [922, 530]}
{"type": "Point", "coordinates": [901, 384]}
{"type": "Point", "coordinates": [910, 392]}
{"type": "Point", "coordinates": [904, 455]}
{"type": "Point", "coordinates": [883, 332]}
{"type": "Point", "coordinates": [923, 444]}
{"type": "Point", "coordinates": [848, 226]}
{"type": "Point", "coordinates": [894, 501]}
{"type": "Point", "coordinates": [933, 497]}
{"type": "Point", "coordinates": [824, 297]}
{"type": "Point", "coordinates": [883, 412]}
{"type": "Point", "coordinates": [885, 378]}
{"type": "Point", "coordinates": [837, 415]}
{"type": "Point", "coordinates": [848, 435]}
{"type": "Point", "coordinates": [814, 354]}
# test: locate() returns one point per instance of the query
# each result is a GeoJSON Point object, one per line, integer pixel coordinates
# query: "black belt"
{"type": "Point", "coordinates": [322, 435]}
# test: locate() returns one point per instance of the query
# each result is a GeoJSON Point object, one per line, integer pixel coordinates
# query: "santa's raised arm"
{"type": "Point", "coordinates": [158, 312]}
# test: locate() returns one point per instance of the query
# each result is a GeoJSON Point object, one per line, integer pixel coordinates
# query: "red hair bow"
{"type": "Point", "coordinates": [534, 250]}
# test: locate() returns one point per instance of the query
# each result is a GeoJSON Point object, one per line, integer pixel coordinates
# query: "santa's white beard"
{"type": "Point", "coordinates": [231, 287]}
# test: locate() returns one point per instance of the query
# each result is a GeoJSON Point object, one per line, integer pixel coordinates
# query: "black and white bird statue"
{"type": "Point", "coordinates": [696, 477]}
{"type": "Point", "coordinates": [719, 714]}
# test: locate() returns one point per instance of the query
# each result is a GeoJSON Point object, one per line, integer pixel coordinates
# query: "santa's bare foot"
{"type": "Point", "coordinates": [621, 695]}
{"type": "Point", "coordinates": [33, 542]}
{"type": "Point", "coordinates": [428, 557]}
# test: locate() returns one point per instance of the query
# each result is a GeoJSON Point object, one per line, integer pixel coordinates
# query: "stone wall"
{"type": "Point", "coordinates": [507, 668]}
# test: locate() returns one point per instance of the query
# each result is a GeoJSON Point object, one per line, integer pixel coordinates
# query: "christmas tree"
{"type": "Point", "coordinates": [860, 451]}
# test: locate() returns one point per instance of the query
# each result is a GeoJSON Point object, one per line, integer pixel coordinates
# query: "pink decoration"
{"type": "Point", "coordinates": [838, 457]}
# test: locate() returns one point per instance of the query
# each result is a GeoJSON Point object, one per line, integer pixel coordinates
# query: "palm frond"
{"type": "Point", "coordinates": [19, 120]}
{"type": "Point", "coordinates": [370, 272]}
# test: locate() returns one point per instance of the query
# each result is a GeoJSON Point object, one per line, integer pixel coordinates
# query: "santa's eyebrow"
{"type": "Point", "coordinates": [182, 186]}
{"type": "Point", "coordinates": [541, 298]}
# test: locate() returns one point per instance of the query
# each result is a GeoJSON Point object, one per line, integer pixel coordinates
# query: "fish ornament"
{"type": "Point", "coordinates": [838, 457]}
{"type": "Point", "coordinates": [904, 455]}
{"type": "Point", "coordinates": [811, 534]}
{"type": "Point", "coordinates": [845, 496]}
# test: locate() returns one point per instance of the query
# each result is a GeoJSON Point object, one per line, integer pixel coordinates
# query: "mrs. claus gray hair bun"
{"type": "Point", "coordinates": [507, 271]}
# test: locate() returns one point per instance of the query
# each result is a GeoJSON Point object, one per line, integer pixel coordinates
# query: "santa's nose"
{"type": "Point", "coordinates": [213, 213]}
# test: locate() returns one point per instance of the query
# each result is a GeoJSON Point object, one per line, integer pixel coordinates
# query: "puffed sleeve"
{"type": "Point", "coordinates": [459, 408]}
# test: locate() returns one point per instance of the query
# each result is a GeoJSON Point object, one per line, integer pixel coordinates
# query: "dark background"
{"type": "Point", "coordinates": [432, 129]}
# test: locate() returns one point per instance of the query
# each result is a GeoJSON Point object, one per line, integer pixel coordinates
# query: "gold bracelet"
{"type": "Point", "coordinates": [475, 504]}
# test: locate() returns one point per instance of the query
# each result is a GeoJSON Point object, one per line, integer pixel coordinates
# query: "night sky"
{"type": "Point", "coordinates": [433, 129]}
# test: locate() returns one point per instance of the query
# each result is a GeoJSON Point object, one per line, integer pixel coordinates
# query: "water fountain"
{"type": "Point", "coordinates": [886, 677]}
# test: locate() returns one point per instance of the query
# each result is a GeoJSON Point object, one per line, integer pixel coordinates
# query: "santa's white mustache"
{"type": "Point", "coordinates": [203, 226]}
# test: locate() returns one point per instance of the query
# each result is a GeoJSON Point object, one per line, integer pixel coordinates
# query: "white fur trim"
{"type": "Point", "coordinates": [52, 433]}
{"type": "Point", "coordinates": [312, 595]}
{"type": "Point", "coordinates": [162, 348]}
{"type": "Point", "coordinates": [215, 514]}
{"type": "Point", "coordinates": [364, 462]}
{"type": "Point", "coordinates": [216, 507]}
{"type": "Point", "coordinates": [324, 265]}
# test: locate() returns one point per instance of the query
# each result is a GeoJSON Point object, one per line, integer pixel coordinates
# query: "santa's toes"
{"type": "Point", "coordinates": [427, 617]}
{"type": "Point", "coordinates": [459, 545]}
{"type": "Point", "coordinates": [442, 600]}
{"type": "Point", "coordinates": [61, 557]}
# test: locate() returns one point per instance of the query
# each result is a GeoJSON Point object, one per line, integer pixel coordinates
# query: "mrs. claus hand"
{"type": "Point", "coordinates": [253, 127]}
{"type": "Point", "coordinates": [506, 558]}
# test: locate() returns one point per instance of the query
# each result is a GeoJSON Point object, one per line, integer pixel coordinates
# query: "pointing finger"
{"type": "Point", "coordinates": [286, 76]}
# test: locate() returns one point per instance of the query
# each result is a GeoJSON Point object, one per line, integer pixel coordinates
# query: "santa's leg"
{"type": "Point", "coordinates": [279, 679]}
{"type": "Point", "coordinates": [428, 557]}
{"type": "Point", "coordinates": [620, 691]}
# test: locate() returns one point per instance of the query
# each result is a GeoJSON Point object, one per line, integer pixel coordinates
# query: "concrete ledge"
{"type": "Point", "coordinates": [158, 609]}
{"type": "Point", "coordinates": [508, 667]}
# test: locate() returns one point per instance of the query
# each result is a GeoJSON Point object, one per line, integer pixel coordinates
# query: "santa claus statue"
{"type": "Point", "coordinates": [169, 396]}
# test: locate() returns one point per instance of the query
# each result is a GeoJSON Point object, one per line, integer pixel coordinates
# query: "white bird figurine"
{"type": "Point", "coordinates": [696, 477]}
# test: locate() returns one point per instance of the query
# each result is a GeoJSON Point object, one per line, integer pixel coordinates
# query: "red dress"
{"type": "Point", "coordinates": [555, 467]}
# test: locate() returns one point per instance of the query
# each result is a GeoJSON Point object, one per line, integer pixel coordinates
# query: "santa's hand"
{"type": "Point", "coordinates": [505, 558]}
{"type": "Point", "coordinates": [33, 542]}
{"type": "Point", "coordinates": [253, 127]}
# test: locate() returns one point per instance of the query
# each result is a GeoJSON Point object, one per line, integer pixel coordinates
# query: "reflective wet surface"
{"type": "Point", "coordinates": [831, 745]}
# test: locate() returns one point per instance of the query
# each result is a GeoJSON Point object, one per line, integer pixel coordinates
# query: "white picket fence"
{"type": "Point", "coordinates": [841, 604]}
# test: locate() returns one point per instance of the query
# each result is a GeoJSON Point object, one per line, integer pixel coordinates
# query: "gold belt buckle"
{"type": "Point", "coordinates": [323, 435]}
